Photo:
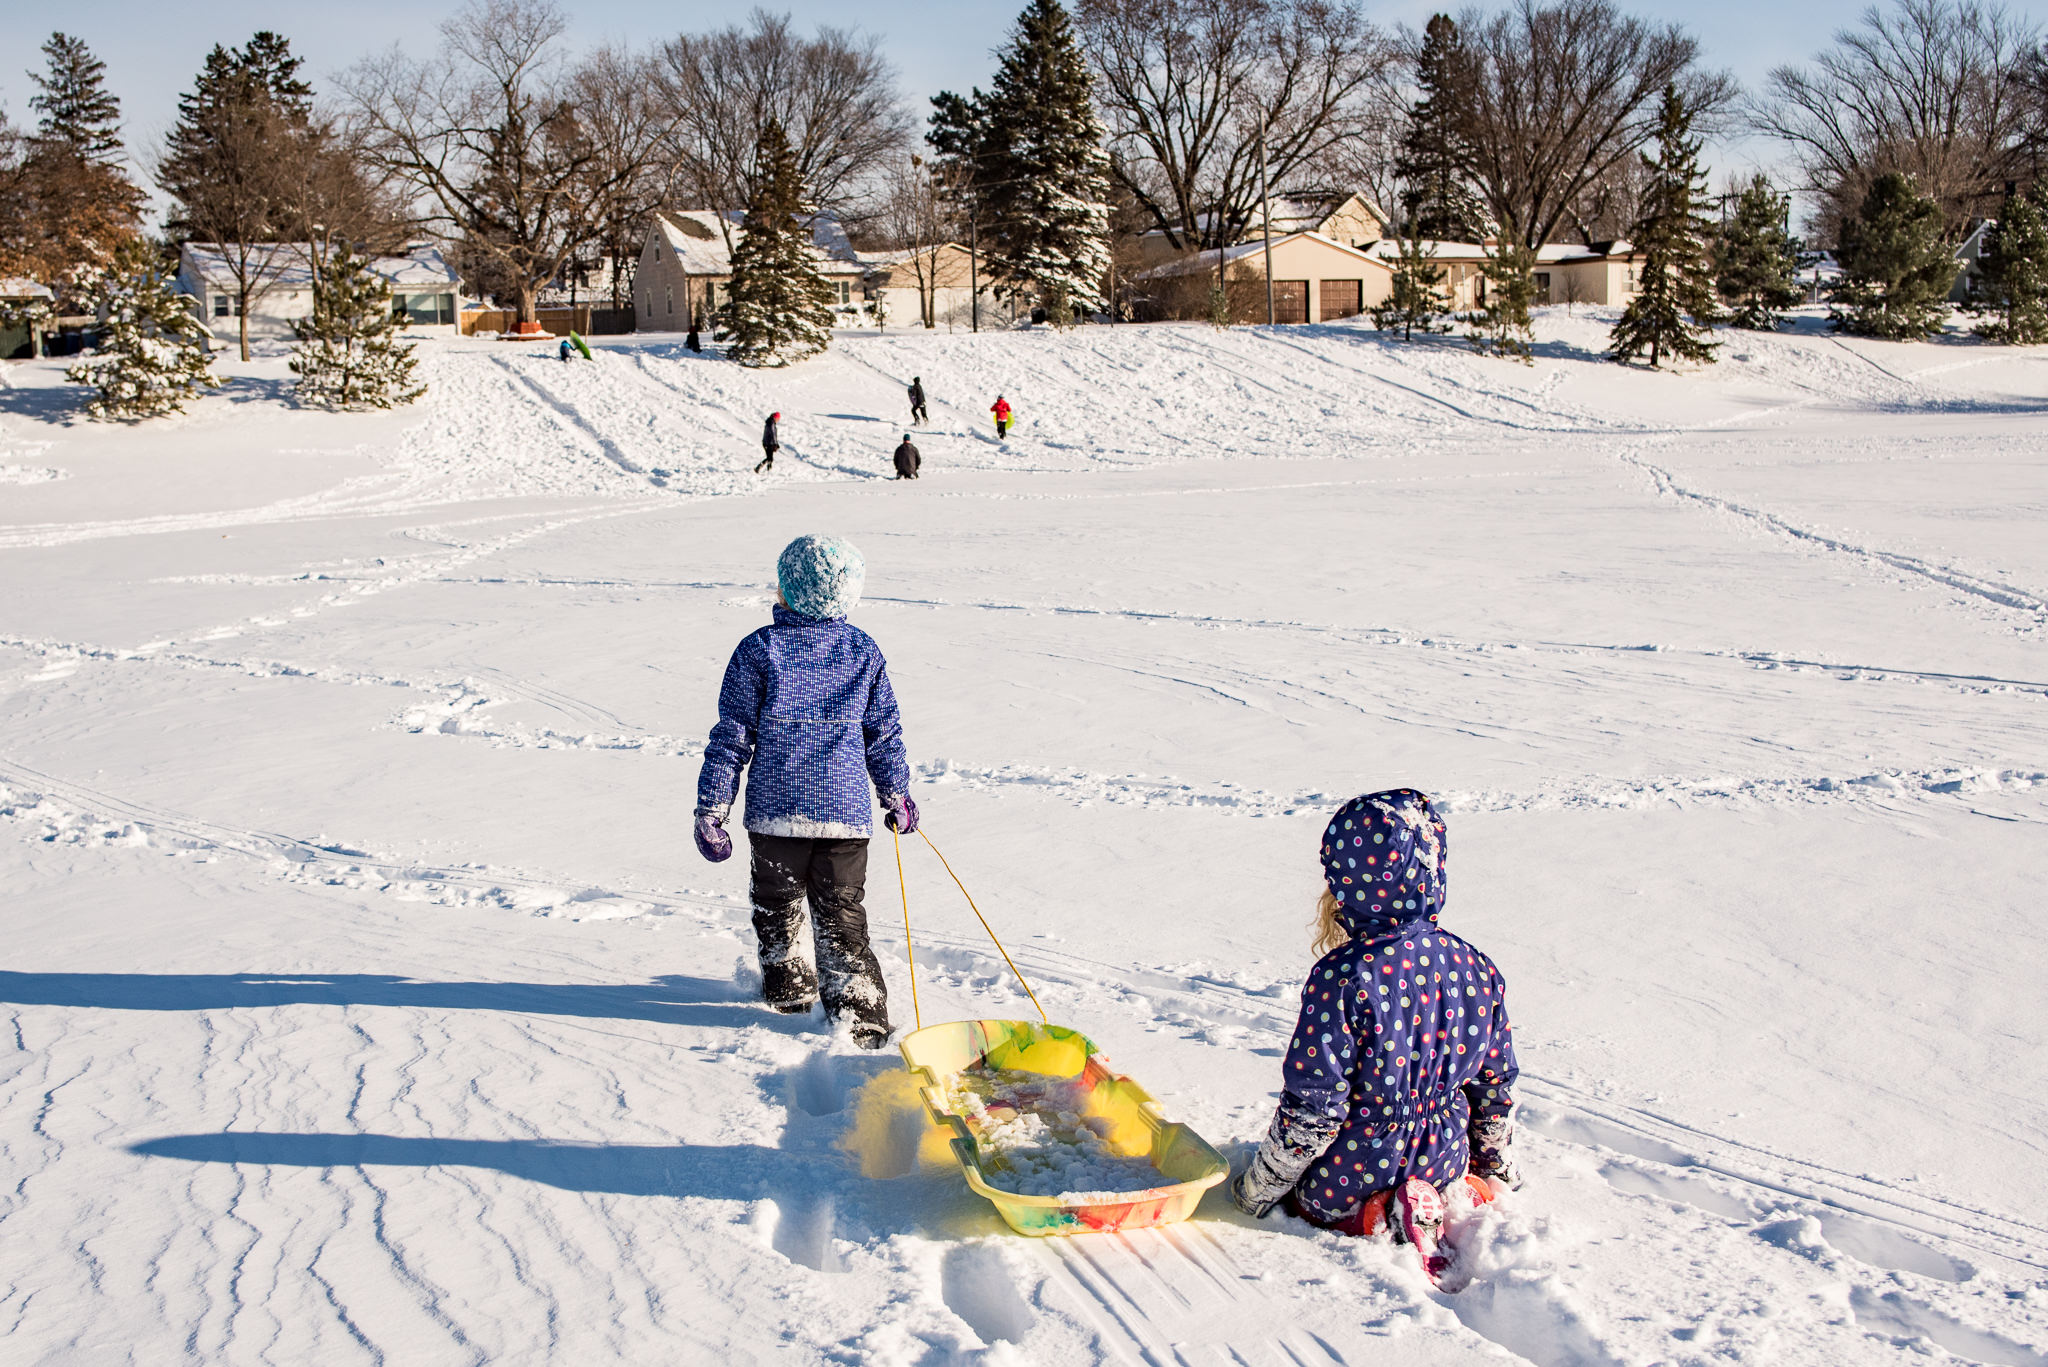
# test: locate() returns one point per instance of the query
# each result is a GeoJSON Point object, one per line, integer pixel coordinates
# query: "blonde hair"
{"type": "Point", "coordinates": [1329, 927]}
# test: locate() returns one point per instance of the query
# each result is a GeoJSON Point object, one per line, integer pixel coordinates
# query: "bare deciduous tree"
{"type": "Point", "coordinates": [912, 218]}
{"type": "Point", "coordinates": [1187, 86]}
{"type": "Point", "coordinates": [625, 119]}
{"type": "Point", "coordinates": [1934, 89]}
{"type": "Point", "coordinates": [1560, 95]}
{"type": "Point", "coordinates": [833, 94]}
{"type": "Point", "coordinates": [490, 138]}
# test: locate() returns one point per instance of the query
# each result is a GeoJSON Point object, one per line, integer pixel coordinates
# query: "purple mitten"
{"type": "Point", "coordinates": [902, 813]}
{"type": "Point", "coordinates": [712, 841]}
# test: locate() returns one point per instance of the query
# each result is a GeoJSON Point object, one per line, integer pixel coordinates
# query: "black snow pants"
{"type": "Point", "coordinates": [834, 873]}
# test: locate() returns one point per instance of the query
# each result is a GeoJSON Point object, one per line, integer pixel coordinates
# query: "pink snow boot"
{"type": "Point", "coordinates": [1419, 1210]}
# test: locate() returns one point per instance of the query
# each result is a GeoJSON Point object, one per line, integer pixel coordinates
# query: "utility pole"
{"type": "Point", "coordinates": [973, 268]}
{"type": "Point", "coordinates": [1266, 198]}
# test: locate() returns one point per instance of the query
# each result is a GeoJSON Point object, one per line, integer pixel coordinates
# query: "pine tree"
{"type": "Point", "coordinates": [1041, 174]}
{"type": "Point", "coordinates": [152, 351]}
{"type": "Point", "coordinates": [1501, 326]}
{"type": "Point", "coordinates": [68, 198]}
{"type": "Point", "coordinates": [1435, 200]}
{"type": "Point", "coordinates": [1416, 298]}
{"type": "Point", "coordinates": [780, 309]}
{"type": "Point", "coordinates": [76, 106]}
{"type": "Point", "coordinates": [1896, 270]}
{"type": "Point", "coordinates": [1675, 310]}
{"type": "Point", "coordinates": [349, 355]}
{"type": "Point", "coordinates": [2013, 281]}
{"type": "Point", "coordinates": [1755, 264]}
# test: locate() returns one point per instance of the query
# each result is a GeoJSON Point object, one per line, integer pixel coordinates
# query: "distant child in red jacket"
{"type": "Point", "coordinates": [1001, 408]}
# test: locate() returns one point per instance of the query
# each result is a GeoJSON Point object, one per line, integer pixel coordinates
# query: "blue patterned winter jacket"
{"type": "Point", "coordinates": [1403, 1043]}
{"type": "Point", "coordinates": [808, 702]}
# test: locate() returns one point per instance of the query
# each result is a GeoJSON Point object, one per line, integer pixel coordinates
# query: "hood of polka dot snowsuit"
{"type": "Point", "coordinates": [1404, 1031]}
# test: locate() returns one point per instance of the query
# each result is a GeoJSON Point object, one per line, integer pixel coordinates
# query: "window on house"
{"type": "Point", "coordinates": [845, 291]}
{"type": "Point", "coordinates": [671, 292]}
{"type": "Point", "coordinates": [220, 306]}
{"type": "Point", "coordinates": [1543, 286]}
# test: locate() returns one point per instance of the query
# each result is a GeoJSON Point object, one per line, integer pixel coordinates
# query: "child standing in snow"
{"type": "Point", "coordinates": [807, 700]}
{"type": "Point", "coordinates": [1399, 1080]}
{"type": "Point", "coordinates": [1001, 408]}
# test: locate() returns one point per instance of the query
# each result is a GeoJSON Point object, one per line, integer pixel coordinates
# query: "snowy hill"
{"type": "Point", "coordinates": [370, 1004]}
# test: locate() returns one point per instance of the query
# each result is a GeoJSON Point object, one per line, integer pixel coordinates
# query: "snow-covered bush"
{"type": "Point", "coordinates": [348, 354]}
{"type": "Point", "coordinates": [152, 355]}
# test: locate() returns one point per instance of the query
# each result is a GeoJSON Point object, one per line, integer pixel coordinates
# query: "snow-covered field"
{"type": "Point", "coordinates": [369, 1004]}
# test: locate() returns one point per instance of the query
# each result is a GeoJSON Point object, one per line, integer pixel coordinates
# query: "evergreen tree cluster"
{"type": "Point", "coordinates": [65, 201]}
{"type": "Point", "coordinates": [1029, 158]}
{"type": "Point", "coordinates": [348, 355]}
{"type": "Point", "coordinates": [1674, 310]}
{"type": "Point", "coordinates": [781, 308]}
{"type": "Point", "coordinates": [2013, 285]}
{"type": "Point", "coordinates": [1755, 261]}
{"type": "Point", "coordinates": [1896, 269]}
{"type": "Point", "coordinates": [152, 354]}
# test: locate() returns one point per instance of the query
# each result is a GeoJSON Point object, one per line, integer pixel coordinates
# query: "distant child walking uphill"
{"type": "Point", "coordinates": [807, 704]}
{"type": "Point", "coordinates": [1401, 1074]}
{"type": "Point", "coordinates": [1001, 408]}
{"type": "Point", "coordinates": [771, 442]}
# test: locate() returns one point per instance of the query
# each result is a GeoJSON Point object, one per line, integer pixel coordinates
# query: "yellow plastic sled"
{"type": "Point", "coordinates": [1187, 1164]}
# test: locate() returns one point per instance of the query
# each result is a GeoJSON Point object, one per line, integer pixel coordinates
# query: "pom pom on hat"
{"type": "Point", "coordinates": [821, 576]}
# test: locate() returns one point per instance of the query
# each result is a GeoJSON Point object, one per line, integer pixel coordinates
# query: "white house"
{"type": "Point", "coordinates": [32, 300]}
{"type": "Point", "coordinates": [426, 292]}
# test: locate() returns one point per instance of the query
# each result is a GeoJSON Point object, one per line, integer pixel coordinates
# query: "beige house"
{"type": "Point", "coordinates": [1565, 273]}
{"type": "Point", "coordinates": [1316, 279]}
{"type": "Point", "coordinates": [932, 287]}
{"type": "Point", "coordinates": [1352, 220]}
{"type": "Point", "coordinates": [685, 268]}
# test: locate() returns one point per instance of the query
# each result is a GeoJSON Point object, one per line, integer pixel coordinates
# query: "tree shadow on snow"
{"type": "Point", "coordinates": [723, 1172]}
{"type": "Point", "coordinates": [54, 404]}
{"type": "Point", "coordinates": [672, 999]}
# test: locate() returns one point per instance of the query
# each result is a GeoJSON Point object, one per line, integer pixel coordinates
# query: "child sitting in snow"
{"type": "Point", "coordinates": [1399, 1078]}
{"type": "Point", "coordinates": [808, 701]}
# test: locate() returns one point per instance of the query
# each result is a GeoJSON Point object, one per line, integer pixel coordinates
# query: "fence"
{"type": "Point", "coordinates": [582, 318]}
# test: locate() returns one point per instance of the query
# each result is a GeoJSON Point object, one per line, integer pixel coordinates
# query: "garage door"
{"type": "Point", "coordinates": [1290, 301]}
{"type": "Point", "coordinates": [1341, 299]}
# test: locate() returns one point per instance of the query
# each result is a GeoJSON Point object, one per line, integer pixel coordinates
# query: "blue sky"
{"type": "Point", "coordinates": [152, 49]}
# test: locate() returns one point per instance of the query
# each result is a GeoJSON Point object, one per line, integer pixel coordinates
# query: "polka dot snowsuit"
{"type": "Point", "coordinates": [1404, 1033]}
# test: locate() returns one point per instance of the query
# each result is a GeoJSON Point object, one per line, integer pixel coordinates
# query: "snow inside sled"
{"type": "Point", "coordinates": [1044, 1130]}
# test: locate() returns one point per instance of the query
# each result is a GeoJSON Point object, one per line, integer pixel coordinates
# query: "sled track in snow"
{"type": "Point", "coordinates": [2031, 606]}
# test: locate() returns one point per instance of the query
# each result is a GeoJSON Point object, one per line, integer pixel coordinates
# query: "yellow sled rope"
{"type": "Point", "coordinates": [916, 1011]}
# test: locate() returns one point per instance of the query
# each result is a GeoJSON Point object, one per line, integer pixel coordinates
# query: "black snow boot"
{"type": "Point", "coordinates": [788, 982]}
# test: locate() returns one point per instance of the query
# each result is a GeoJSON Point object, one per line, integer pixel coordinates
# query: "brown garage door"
{"type": "Point", "coordinates": [1341, 299]}
{"type": "Point", "coordinates": [1290, 301]}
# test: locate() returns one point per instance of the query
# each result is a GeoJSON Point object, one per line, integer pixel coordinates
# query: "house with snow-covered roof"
{"type": "Point", "coordinates": [685, 267]}
{"type": "Point", "coordinates": [1351, 219]}
{"type": "Point", "coordinates": [1565, 273]}
{"type": "Point", "coordinates": [1316, 279]}
{"type": "Point", "coordinates": [29, 303]}
{"type": "Point", "coordinates": [426, 292]}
